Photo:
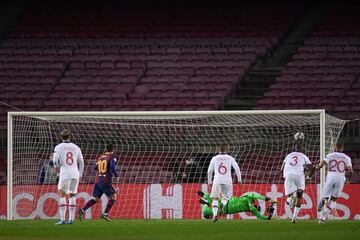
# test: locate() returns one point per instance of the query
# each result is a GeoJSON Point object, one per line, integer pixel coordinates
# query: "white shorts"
{"type": "Point", "coordinates": [333, 187]}
{"type": "Point", "coordinates": [68, 186]}
{"type": "Point", "coordinates": [224, 189]}
{"type": "Point", "coordinates": [293, 183]}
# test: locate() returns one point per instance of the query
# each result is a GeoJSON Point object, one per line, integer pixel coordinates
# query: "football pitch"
{"type": "Point", "coordinates": [180, 229]}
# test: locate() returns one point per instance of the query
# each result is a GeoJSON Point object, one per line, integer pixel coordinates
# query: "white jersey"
{"type": "Point", "coordinates": [337, 163]}
{"type": "Point", "coordinates": [294, 164]}
{"type": "Point", "coordinates": [222, 164]}
{"type": "Point", "coordinates": [67, 156]}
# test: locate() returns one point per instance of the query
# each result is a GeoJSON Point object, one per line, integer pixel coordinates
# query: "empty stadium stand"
{"type": "Point", "coordinates": [85, 56]}
{"type": "Point", "coordinates": [324, 73]}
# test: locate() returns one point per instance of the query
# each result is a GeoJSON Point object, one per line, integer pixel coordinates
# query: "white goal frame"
{"type": "Point", "coordinates": [9, 214]}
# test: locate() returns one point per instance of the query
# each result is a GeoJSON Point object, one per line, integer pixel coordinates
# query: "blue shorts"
{"type": "Point", "coordinates": [101, 188]}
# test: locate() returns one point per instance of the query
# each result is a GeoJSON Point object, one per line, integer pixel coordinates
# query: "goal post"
{"type": "Point", "coordinates": [162, 155]}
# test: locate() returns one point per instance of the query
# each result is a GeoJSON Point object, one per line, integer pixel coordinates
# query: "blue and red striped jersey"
{"type": "Point", "coordinates": [106, 168]}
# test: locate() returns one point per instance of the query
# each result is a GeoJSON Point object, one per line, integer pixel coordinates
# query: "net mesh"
{"type": "Point", "coordinates": [163, 159]}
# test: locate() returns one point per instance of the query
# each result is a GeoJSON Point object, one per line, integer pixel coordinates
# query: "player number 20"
{"type": "Point", "coordinates": [222, 169]}
{"type": "Point", "coordinates": [102, 166]}
{"type": "Point", "coordinates": [337, 165]}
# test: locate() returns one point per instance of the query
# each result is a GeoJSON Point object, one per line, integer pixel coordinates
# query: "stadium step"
{"type": "Point", "coordinates": [263, 73]}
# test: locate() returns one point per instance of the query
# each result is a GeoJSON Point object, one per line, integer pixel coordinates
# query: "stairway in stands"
{"type": "Point", "coordinates": [252, 86]}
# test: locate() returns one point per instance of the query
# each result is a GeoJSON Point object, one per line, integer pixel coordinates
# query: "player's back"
{"type": "Point", "coordinates": [104, 168]}
{"type": "Point", "coordinates": [222, 166]}
{"type": "Point", "coordinates": [294, 163]}
{"type": "Point", "coordinates": [67, 155]}
{"type": "Point", "coordinates": [337, 164]}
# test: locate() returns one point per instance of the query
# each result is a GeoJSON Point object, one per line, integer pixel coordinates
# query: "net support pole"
{"type": "Point", "coordinates": [9, 167]}
{"type": "Point", "coordinates": [322, 149]}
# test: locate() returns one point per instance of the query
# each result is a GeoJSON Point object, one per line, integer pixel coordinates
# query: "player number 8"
{"type": "Point", "coordinates": [69, 158]}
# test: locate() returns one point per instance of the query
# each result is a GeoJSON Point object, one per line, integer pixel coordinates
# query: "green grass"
{"type": "Point", "coordinates": [180, 229]}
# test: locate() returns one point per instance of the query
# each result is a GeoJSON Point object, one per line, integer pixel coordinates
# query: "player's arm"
{"type": "Point", "coordinates": [282, 166]}
{"type": "Point", "coordinates": [237, 169]}
{"type": "Point", "coordinates": [210, 171]}
{"type": "Point", "coordinates": [256, 196]}
{"type": "Point", "coordinates": [349, 170]}
{"type": "Point", "coordinates": [56, 159]}
{"type": "Point", "coordinates": [348, 174]}
{"type": "Point", "coordinates": [256, 213]}
{"type": "Point", "coordinates": [310, 169]}
{"type": "Point", "coordinates": [113, 167]}
{"type": "Point", "coordinates": [322, 163]}
{"type": "Point", "coordinates": [81, 164]}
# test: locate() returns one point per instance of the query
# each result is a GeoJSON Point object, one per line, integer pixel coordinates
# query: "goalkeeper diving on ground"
{"type": "Point", "coordinates": [245, 203]}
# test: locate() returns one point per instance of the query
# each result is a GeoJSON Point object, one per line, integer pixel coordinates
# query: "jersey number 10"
{"type": "Point", "coordinates": [102, 166]}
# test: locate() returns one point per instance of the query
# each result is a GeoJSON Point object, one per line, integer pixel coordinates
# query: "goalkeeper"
{"type": "Point", "coordinates": [244, 203]}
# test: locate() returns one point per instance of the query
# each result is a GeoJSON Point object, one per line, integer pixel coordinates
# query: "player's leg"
{"type": "Point", "coordinates": [63, 186]}
{"type": "Point", "coordinates": [338, 186]}
{"type": "Point", "coordinates": [299, 195]}
{"type": "Point", "coordinates": [326, 194]}
{"type": "Point", "coordinates": [206, 211]}
{"type": "Point", "coordinates": [328, 208]}
{"type": "Point", "coordinates": [290, 190]}
{"type": "Point", "coordinates": [226, 191]}
{"type": "Point", "coordinates": [300, 184]}
{"type": "Point", "coordinates": [74, 183]}
{"type": "Point", "coordinates": [111, 193]}
{"type": "Point", "coordinates": [215, 195]}
{"type": "Point", "coordinates": [97, 193]}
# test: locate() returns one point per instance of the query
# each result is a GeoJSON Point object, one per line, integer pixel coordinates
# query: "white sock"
{"type": "Point", "coordinates": [62, 208]}
{"type": "Point", "coordinates": [327, 210]}
{"type": "Point", "coordinates": [215, 209]}
{"type": "Point", "coordinates": [224, 201]}
{"type": "Point", "coordinates": [296, 212]}
{"type": "Point", "coordinates": [325, 213]}
{"type": "Point", "coordinates": [72, 207]}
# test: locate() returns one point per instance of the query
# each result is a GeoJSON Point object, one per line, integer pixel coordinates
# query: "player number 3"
{"type": "Point", "coordinates": [222, 169]}
{"type": "Point", "coordinates": [296, 160]}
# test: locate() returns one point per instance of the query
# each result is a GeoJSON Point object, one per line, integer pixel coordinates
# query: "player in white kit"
{"type": "Point", "coordinates": [339, 172]}
{"type": "Point", "coordinates": [293, 169]}
{"type": "Point", "coordinates": [222, 185]}
{"type": "Point", "coordinates": [67, 157]}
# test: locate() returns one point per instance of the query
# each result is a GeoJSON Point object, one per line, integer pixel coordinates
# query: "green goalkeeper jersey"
{"type": "Point", "coordinates": [237, 205]}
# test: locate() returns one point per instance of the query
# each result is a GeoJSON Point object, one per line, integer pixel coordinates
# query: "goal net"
{"type": "Point", "coordinates": [163, 158]}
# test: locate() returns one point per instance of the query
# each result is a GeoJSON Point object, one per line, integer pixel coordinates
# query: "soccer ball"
{"type": "Point", "coordinates": [299, 136]}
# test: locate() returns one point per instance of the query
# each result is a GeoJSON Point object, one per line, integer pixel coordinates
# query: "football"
{"type": "Point", "coordinates": [299, 135]}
